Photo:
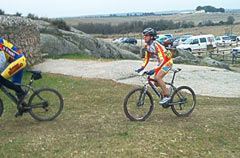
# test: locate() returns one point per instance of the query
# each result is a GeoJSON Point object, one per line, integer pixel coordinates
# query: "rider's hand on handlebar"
{"type": "Point", "coordinates": [139, 70]}
{"type": "Point", "coordinates": [151, 72]}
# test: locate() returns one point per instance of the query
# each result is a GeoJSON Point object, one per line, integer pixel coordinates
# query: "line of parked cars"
{"type": "Point", "coordinates": [125, 40]}
{"type": "Point", "coordinates": [190, 42]}
{"type": "Point", "coordinates": [197, 43]}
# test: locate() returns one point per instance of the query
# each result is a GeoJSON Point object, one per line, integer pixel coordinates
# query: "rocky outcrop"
{"type": "Point", "coordinates": [129, 47]}
{"type": "Point", "coordinates": [58, 42]}
{"type": "Point", "coordinates": [54, 45]}
{"type": "Point", "coordinates": [24, 34]}
{"type": "Point", "coordinates": [211, 62]}
{"type": "Point", "coordinates": [184, 57]}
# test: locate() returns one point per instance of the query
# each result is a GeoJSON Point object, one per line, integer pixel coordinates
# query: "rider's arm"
{"type": "Point", "coordinates": [146, 60]}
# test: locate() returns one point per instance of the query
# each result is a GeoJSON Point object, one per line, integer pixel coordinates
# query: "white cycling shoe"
{"type": "Point", "coordinates": [165, 100]}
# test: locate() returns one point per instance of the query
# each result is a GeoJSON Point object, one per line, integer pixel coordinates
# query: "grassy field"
{"type": "Point", "coordinates": [196, 18]}
{"type": "Point", "coordinates": [93, 125]}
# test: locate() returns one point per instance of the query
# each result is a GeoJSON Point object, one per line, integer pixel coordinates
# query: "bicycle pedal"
{"type": "Point", "coordinates": [165, 106]}
{"type": "Point", "coordinates": [19, 114]}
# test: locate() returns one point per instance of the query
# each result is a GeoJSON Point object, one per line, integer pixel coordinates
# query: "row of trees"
{"type": "Point", "coordinates": [229, 21]}
{"type": "Point", "coordinates": [135, 26]}
{"type": "Point", "coordinates": [138, 26]}
{"type": "Point", "coordinates": [210, 9]}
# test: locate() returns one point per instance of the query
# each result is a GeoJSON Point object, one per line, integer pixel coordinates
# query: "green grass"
{"type": "Point", "coordinates": [71, 56]}
{"type": "Point", "coordinates": [79, 56]}
{"type": "Point", "coordinates": [93, 124]}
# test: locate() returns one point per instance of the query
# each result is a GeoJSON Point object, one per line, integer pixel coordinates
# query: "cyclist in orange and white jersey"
{"type": "Point", "coordinates": [164, 57]}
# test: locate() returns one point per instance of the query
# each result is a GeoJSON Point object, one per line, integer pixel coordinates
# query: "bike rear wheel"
{"type": "Point", "coordinates": [45, 104]}
{"type": "Point", "coordinates": [183, 101]}
{"type": "Point", "coordinates": [138, 105]}
{"type": "Point", "coordinates": [1, 107]}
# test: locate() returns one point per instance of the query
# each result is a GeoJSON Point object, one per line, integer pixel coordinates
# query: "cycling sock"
{"type": "Point", "coordinates": [10, 85]}
{"type": "Point", "coordinates": [167, 96]}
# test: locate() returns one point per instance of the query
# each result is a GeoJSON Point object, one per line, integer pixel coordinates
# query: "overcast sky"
{"type": "Point", "coordinates": [68, 8]}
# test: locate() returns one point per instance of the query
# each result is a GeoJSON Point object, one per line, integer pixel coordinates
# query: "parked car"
{"type": "Point", "coordinates": [232, 36]}
{"type": "Point", "coordinates": [120, 40]}
{"type": "Point", "coordinates": [169, 35]}
{"type": "Point", "coordinates": [161, 38]}
{"type": "Point", "coordinates": [236, 50]}
{"type": "Point", "coordinates": [223, 41]}
{"type": "Point", "coordinates": [198, 43]}
{"type": "Point", "coordinates": [130, 40]}
{"type": "Point", "coordinates": [238, 38]}
{"type": "Point", "coordinates": [126, 40]}
{"type": "Point", "coordinates": [169, 42]}
{"type": "Point", "coordinates": [180, 40]}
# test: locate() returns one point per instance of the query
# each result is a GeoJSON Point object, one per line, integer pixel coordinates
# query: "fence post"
{"type": "Point", "coordinates": [223, 55]}
{"type": "Point", "coordinates": [232, 58]}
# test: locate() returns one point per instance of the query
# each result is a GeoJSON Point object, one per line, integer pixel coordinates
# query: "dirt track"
{"type": "Point", "coordinates": [204, 80]}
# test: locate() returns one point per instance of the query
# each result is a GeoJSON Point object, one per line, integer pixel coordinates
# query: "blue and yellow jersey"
{"type": "Point", "coordinates": [10, 51]}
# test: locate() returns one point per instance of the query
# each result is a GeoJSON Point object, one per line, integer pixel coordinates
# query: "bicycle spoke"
{"type": "Point", "coordinates": [138, 105]}
{"type": "Point", "coordinates": [46, 104]}
{"type": "Point", "coordinates": [183, 101]}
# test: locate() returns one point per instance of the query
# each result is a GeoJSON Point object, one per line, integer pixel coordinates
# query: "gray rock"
{"type": "Point", "coordinates": [57, 42]}
{"type": "Point", "coordinates": [130, 47]}
{"type": "Point", "coordinates": [211, 62]}
{"type": "Point", "coordinates": [24, 34]}
{"type": "Point", "coordinates": [53, 45]}
{"type": "Point", "coordinates": [184, 57]}
{"type": "Point", "coordinates": [186, 54]}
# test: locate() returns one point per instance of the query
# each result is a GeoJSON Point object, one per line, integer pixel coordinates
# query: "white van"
{"type": "Point", "coordinates": [223, 41]}
{"type": "Point", "coordinates": [198, 43]}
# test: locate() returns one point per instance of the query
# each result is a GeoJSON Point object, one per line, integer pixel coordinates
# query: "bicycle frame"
{"type": "Point", "coordinates": [12, 97]}
{"type": "Point", "coordinates": [152, 85]}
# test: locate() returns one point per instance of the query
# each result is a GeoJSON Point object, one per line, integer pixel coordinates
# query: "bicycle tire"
{"type": "Point", "coordinates": [1, 108]}
{"type": "Point", "coordinates": [191, 96]}
{"type": "Point", "coordinates": [36, 95]}
{"type": "Point", "coordinates": [126, 111]}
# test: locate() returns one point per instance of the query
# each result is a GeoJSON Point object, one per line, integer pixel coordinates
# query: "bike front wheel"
{"type": "Point", "coordinates": [45, 104]}
{"type": "Point", "coordinates": [183, 101]}
{"type": "Point", "coordinates": [138, 105]}
{"type": "Point", "coordinates": [1, 107]}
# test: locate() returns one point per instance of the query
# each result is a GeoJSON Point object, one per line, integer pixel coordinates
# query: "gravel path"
{"type": "Point", "coordinates": [206, 81]}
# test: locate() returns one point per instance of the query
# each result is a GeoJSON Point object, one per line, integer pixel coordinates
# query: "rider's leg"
{"type": "Point", "coordinates": [10, 85]}
{"type": "Point", "coordinates": [161, 83]}
{"type": "Point", "coordinates": [160, 74]}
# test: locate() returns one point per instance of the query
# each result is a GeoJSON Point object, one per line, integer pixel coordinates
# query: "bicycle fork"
{"type": "Point", "coordinates": [142, 96]}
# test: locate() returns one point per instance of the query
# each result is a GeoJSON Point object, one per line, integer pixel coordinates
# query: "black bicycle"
{"type": "Point", "coordinates": [138, 104]}
{"type": "Point", "coordinates": [44, 104]}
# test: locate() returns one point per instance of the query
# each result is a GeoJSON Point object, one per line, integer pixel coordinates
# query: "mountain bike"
{"type": "Point", "coordinates": [138, 104]}
{"type": "Point", "coordinates": [44, 104]}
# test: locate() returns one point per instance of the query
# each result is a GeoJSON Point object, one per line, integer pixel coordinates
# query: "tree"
{"type": "Point", "coordinates": [18, 14]}
{"type": "Point", "coordinates": [32, 16]}
{"type": "Point", "coordinates": [199, 8]}
{"type": "Point", "coordinates": [230, 20]}
{"type": "Point", "coordinates": [2, 12]}
{"type": "Point", "coordinates": [59, 23]}
{"type": "Point", "coordinates": [210, 9]}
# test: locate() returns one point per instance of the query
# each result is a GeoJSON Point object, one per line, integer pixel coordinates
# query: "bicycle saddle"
{"type": "Point", "coordinates": [176, 70]}
{"type": "Point", "coordinates": [34, 72]}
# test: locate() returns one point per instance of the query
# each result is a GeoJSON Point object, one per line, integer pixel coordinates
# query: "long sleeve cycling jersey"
{"type": "Point", "coordinates": [10, 51]}
{"type": "Point", "coordinates": [157, 50]}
